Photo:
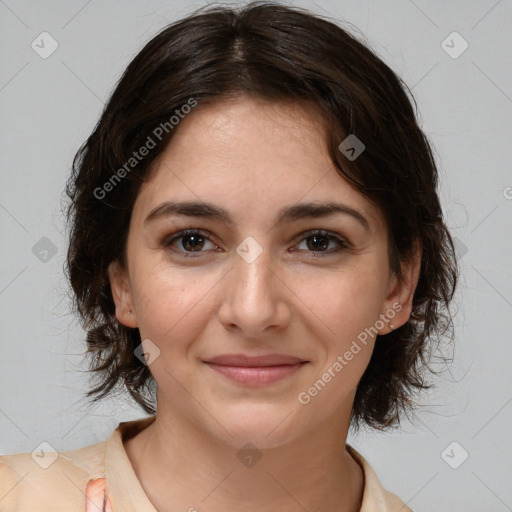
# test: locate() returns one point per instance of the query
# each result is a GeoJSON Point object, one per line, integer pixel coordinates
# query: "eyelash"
{"type": "Point", "coordinates": [342, 244]}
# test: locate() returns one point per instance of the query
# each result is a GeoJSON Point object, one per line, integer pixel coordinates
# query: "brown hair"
{"type": "Point", "coordinates": [277, 53]}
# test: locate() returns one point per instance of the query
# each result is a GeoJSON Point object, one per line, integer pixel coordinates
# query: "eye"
{"type": "Point", "coordinates": [318, 242]}
{"type": "Point", "coordinates": [188, 241]}
{"type": "Point", "coordinates": [191, 241]}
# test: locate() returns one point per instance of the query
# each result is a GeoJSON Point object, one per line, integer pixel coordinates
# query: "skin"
{"type": "Point", "coordinates": [252, 159]}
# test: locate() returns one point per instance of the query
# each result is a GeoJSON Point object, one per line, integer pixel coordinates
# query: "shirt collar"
{"type": "Point", "coordinates": [375, 497]}
{"type": "Point", "coordinates": [123, 486]}
{"type": "Point", "coordinates": [127, 494]}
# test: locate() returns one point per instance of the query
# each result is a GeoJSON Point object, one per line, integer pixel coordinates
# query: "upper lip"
{"type": "Point", "coordinates": [252, 361]}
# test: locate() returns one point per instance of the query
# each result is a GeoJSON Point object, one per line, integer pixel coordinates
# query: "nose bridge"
{"type": "Point", "coordinates": [252, 299]}
{"type": "Point", "coordinates": [252, 275]}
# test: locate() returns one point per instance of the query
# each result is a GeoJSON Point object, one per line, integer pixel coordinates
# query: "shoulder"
{"type": "Point", "coordinates": [375, 497]}
{"type": "Point", "coordinates": [49, 480]}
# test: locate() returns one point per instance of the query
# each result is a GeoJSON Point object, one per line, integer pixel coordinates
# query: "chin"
{"type": "Point", "coordinates": [264, 425]}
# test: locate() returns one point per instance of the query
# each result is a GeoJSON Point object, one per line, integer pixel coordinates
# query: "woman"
{"type": "Point", "coordinates": [257, 244]}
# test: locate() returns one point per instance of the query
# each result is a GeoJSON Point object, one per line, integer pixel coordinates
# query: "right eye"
{"type": "Point", "coordinates": [188, 241]}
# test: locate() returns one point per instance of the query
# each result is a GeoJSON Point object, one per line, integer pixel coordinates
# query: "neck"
{"type": "Point", "coordinates": [181, 467]}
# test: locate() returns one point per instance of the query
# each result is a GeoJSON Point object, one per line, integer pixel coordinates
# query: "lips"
{"type": "Point", "coordinates": [255, 370]}
{"type": "Point", "coordinates": [253, 361]}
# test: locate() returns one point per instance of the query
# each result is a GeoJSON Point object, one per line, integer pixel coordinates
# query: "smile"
{"type": "Point", "coordinates": [255, 370]}
{"type": "Point", "coordinates": [256, 375]}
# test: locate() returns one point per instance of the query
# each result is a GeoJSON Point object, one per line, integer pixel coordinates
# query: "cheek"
{"type": "Point", "coordinates": [347, 306]}
{"type": "Point", "coordinates": [171, 307]}
{"type": "Point", "coordinates": [345, 302]}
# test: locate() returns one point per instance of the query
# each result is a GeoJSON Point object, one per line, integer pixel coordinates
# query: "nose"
{"type": "Point", "coordinates": [255, 299]}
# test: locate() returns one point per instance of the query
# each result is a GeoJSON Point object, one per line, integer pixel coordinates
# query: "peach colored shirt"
{"type": "Point", "coordinates": [100, 478]}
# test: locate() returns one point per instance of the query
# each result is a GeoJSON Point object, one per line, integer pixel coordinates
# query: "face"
{"type": "Point", "coordinates": [269, 288]}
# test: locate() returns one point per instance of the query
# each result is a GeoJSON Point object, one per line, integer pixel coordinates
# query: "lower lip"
{"type": "Point", "coordinates": [258, 375]}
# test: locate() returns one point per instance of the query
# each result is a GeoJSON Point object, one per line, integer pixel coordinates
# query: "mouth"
{"type": "Point", "coordinates": [255, 370]}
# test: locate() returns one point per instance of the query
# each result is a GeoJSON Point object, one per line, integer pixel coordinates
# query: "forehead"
{"type": "Point", "coordinates": [250, 156]}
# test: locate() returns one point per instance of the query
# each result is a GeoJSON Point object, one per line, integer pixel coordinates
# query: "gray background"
{"type": "Point", "coordinates": [49, 106]}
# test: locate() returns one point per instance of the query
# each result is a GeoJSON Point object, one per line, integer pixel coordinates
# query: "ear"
{"type": "Point", "coordinates": [122, 295]}
{"type": "Point", "coordinates": [400, 292]}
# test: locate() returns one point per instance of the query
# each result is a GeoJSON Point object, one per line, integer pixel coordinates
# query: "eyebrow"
{"type": "Point", "coordinates": [296, 212]}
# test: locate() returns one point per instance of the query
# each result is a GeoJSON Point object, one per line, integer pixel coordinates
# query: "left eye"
{"type": "Point", "coordinates": [318, 241]}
